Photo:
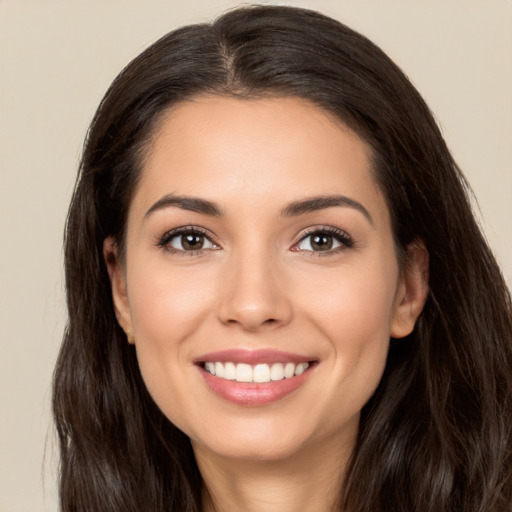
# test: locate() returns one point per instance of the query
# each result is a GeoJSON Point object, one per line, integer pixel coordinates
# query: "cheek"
{"type": "Point", "coordinates": [357, 303]}
{"type": "Point", "coordinates": [353, 318]}
{"type": "Point", "coordinates": [167, 304]}
{"type": "Point", "coordinates": [167, 308]}
{"type": "Point", "coordinates": [353, 311]}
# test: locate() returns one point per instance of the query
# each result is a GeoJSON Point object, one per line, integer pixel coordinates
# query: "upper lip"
{"type": "Point", "coordinates": [252, 357]}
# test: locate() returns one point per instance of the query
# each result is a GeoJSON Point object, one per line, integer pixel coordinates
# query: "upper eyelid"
{"type": "Point", "coordinates": [171, 233]}
{"type": "Point", "coordinates": [343, 237]}
{"type": "Point", "coordinates": [189, 229]}
{"type": "Point", "coordinates": [323, 229]}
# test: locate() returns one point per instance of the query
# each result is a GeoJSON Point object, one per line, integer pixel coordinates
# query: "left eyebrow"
{"type": "Point", "coordinates": [312, 204]}
{"type": "Point", "coordinates": [193, 204]}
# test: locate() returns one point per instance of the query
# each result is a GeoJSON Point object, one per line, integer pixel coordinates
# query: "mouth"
{"type": "Point", "coordinates": [259, 373]}
{"type": "Point", "coordinates": [254, 378]}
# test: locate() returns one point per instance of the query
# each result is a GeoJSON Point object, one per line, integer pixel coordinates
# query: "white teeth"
{"type": "Point", "coordinates": [277, 371]}
{"type": "Point", "coordinates": [230, 371]}
{"type": "Point", "coordinates": [289, 370]}
{"type": "Point", "coordinates": [219, 370]}
{"type": "Point", "coordinates": [261, 373]}
{"type": "Point", "coordinates": [242, 372]}
{"type": "Point", "coordinates": [301, 368]}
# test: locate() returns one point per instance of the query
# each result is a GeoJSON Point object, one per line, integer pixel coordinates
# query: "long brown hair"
{"type": "Point", "coordinates": [437, 434]}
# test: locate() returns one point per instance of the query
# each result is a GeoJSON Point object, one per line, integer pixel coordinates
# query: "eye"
{"type": "Point", "coordinates": [324, 240]}
{"type": "Point", "coordinates": [186, 240]}
{"type": "Point", "coordinates": [190, 242]}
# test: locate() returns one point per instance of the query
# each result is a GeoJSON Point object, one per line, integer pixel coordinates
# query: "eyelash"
{"type": "Point", "coordinates": [340, 236]}
{"type": "Point", "coordinates": [167, 238]}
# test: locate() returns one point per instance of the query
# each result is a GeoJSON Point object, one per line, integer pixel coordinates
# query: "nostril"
{"type": "Point", "coordinates": [254, 324]}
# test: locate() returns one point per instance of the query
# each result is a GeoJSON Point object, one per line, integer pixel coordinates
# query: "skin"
{"type": "Point", "coordinates": [257, 284]}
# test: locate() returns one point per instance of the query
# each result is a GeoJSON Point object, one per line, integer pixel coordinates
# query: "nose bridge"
{"type": "Point", "coordinates": [253, 292]}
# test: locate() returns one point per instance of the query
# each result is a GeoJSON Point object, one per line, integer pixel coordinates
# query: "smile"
{"type": "Point", "coordinates": [254, 378]}
{"type": "Point", "coordinates": [259, 373]}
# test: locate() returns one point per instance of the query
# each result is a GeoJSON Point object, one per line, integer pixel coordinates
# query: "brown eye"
{"type": "Point", "coordinates": [191, 242]}
{"type": "Point", "coordinates": [187, 241]}
{"type": "Point", "coordinates": [321, 242]}
{"type": "Point", "coordinates": [324, 241]}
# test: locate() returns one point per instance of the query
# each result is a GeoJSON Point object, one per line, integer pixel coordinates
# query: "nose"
{"type": "Point", "coordinates": [253, 294]}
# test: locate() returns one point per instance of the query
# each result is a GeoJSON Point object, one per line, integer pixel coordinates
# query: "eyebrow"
{"type": "Point", "coordinates": [294, 209]}
{"type": "Point", "coordinates": [312, 204]}
{"type": "Point", "coordinates": [193, 204]}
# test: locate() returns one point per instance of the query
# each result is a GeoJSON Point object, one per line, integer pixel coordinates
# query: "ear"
{"type": "Point", "coordinates": [118, 285]}
{"type": "Point", "coordinates": [412, 290]}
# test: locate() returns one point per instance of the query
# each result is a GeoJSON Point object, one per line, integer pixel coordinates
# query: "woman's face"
{"type": "Point", "coordinates": [259, 248]}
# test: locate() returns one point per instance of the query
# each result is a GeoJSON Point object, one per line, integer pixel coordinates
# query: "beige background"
{"type": "Point", "coordinates": [56, 61]}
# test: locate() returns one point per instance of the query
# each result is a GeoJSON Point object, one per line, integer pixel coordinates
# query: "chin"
{"type": "Point", "coordinates": [253, 450]}
{"type": "Point", "coordinates": [267, 439]}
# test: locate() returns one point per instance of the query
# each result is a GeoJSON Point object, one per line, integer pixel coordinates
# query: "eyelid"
{"type": "Point", "coordinates": [163, 240]}
{"type": "Point", "coordinates": [345, 240]}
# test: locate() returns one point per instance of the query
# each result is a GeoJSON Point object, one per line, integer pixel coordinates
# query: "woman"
{"type": "Point", "coordinates": [278, 296]}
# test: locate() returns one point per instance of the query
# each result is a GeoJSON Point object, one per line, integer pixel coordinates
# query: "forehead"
{"type": "Point", "coordinates": [255, 151]}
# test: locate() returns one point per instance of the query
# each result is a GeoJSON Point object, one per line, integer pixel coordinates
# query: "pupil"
{"type": "Point", "coordinates": [192, 242]}
{"type": "Point", "coordinates": [321, 242]}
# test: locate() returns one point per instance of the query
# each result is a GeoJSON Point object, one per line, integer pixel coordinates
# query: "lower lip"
{"type": "Point", "coordinates": [253, 394]}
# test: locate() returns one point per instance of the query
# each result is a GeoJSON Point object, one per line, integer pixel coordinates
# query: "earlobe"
{"type": "Point", "coordinates": [118, 286]}
{"type": "Point", "coordinates": [413, 290]}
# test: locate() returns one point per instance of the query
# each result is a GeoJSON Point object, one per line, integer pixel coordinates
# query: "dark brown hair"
{"type": "Point", "coordinates": [436, 435]}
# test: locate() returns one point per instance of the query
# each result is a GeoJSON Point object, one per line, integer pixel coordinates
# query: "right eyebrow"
{"type": "Point", "coordinates": [193, 204]}
{"type": "Point", "coordinates": [311, 204]}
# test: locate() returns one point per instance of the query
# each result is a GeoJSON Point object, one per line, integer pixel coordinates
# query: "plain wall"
{"type": "Point", "coordinates": [56, 61]}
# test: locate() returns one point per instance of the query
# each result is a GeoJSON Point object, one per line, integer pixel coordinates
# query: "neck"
{"type": "Point", "coordinates": [309, 481]}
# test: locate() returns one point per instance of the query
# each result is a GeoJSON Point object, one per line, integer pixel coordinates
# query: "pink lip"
{"type": "Point", "coordinates": [253, 394]}
{"type": "Point", "coordinates": [253, 357]}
